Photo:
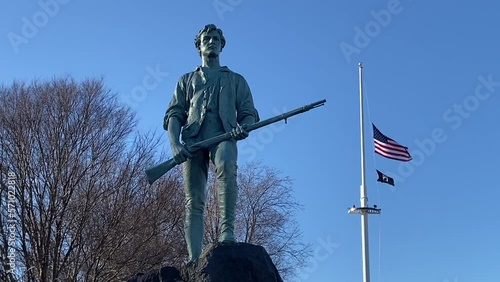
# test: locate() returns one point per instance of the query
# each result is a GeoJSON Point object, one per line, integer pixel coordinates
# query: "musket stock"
{"type": "Point", "coordinates": [155, 172]}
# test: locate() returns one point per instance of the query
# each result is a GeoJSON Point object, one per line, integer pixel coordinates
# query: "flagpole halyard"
{"type": "Point", "coordinates": [364, 210]}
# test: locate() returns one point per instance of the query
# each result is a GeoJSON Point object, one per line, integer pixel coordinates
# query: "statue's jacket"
{"type": "Point", "coordinates": [194, 96]}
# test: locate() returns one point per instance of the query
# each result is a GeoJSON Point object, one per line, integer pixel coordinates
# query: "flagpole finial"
{"type": "Point", "coordinates": [360, 64]}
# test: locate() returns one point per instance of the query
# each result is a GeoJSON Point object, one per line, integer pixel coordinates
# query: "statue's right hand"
{"type": "Point", "coordinates": [180, 153]}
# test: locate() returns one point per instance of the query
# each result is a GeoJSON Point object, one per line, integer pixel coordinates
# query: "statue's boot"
{"type": "Point", "coordinates": [193, 230]}
{"type": "Point", "coordinates": [225, 159]}
{"type": "Point", "coordinates": [227, 193]}
{"type": "Point", "coordinates": [227, 205]}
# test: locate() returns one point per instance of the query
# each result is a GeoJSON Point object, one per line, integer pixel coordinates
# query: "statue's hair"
{"type": "Point", "coordinates": [206, 29]}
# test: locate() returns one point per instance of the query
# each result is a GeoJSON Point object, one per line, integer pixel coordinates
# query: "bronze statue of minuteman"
{"type": "Point", "coordinates": [209, 101]}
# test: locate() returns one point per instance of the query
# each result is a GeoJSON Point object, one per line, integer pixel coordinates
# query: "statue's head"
{"type": "Point", "coordinates": [209, 29]}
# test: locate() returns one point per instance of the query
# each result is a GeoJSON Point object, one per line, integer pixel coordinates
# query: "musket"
{"type": "Point", "coordinates": [155, 172]}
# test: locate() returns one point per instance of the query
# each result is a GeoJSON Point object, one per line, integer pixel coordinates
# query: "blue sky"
{"type": "Point", "coordinates": [432, 83]}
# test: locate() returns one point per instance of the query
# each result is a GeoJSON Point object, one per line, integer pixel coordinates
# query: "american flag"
{"type": "Point", "coordinates": [389, 148]}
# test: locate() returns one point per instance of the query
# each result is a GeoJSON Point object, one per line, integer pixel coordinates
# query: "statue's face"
{"type": "Point", "coordinates": [210, 45]}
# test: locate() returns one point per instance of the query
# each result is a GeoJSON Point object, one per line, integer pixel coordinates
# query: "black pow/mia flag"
{"type": "Point", "coordinates": [384, 178]}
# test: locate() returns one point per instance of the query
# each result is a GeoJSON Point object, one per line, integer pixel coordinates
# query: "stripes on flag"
{"type": "Point", "coordinates": [389, 148]}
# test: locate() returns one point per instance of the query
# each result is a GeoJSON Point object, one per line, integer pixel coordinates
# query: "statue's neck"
{"type": "Point", "coordinates": [210, 62]}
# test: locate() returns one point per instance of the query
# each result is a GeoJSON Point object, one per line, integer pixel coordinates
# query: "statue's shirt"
{"type": "Point", "coordinates": [224, 95]}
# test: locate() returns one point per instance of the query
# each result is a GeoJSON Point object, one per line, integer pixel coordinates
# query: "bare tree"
{"type": "Point", "coordinates": [264, 216]}
{"type": "Point", "coordinates": [83, 209]}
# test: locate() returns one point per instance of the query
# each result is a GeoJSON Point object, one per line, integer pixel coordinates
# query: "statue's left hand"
{"type": "Point", "coordinates": [239, 133]}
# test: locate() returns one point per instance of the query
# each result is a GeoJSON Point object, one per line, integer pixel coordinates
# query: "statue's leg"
{"type": "Point", "coordinates": [195, 178]}
{"type": "Point", "coordinates": [224, 157]}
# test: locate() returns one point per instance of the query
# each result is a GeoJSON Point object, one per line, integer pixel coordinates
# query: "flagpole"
{"type": "Point", "coordinates": [363, 196]}
{"type": "Point", "coordinates": [364, 210]}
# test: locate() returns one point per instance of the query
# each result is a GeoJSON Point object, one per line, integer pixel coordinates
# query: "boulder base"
{"type": "Point", "coordinates": [239, 262]}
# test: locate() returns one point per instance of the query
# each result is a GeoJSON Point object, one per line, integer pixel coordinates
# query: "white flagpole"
{"type": "Point", "coordinates": [363, 196]}
{"type": "Point", "coordinates": [364, 210]}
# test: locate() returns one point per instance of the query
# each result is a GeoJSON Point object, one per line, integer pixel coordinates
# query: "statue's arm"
{"type": "Point", "coordinates": [174, 131]}
{"type": "Point", "coordinates": [175, 119]}
{"type": "Point", "coordinates": [177, 108]}
{"type": "Point", "coordinates": [246, 111]}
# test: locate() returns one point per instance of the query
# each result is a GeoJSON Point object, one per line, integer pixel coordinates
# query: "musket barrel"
{"type": "Point", "coordinates": [285, 115]}
{"type": "Point", "coordinates": [155, 172]}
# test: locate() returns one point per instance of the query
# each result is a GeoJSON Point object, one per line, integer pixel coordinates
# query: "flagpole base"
{"type": "Point", "coordinates": [364, 210]}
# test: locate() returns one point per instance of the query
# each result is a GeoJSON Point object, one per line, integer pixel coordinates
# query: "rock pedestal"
{"type": "Point", "coordinates": [238, 262]}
